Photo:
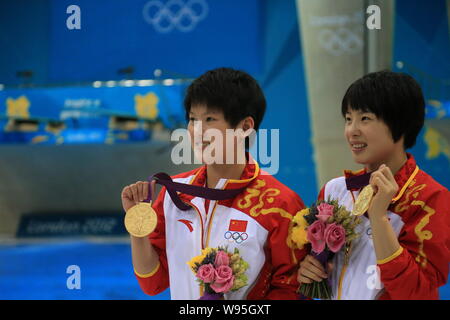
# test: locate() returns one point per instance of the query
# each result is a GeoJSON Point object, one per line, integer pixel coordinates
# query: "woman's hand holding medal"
{"type": "Point", "coordinates": [385, 188]}
{"type": "Point", "coordinates": [140, 219]}
{"type": "Point", "coordinates": [384, 237]}
{"type": "Point", "coordinates": [135, 193]}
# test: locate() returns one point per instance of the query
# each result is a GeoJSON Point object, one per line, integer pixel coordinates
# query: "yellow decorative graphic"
{"type": "Point", "coordinates": [436, 143]}
{"type": "Point", "coordinates": [266, 196]}
{"type": "Point", "coordinates": [423, 234]}
{"type": "Point", "coordinates": [269, 197]}
{"type": "Point", "coordinates": [146, 106]}
{"type": "Point", "coordinates": [413, 191]}
{"type": "Point", "coordinates": [18, 107]}
{"type": "Point", "coordinates": [252, 193]}
{"type": "Point", "coordinates": [281, 211]}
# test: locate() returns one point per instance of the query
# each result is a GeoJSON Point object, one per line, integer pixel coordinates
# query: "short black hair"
{"type": "Point", "coordinates": [395, 98]}
{"type": "Point", "coordinates": [235, 93]}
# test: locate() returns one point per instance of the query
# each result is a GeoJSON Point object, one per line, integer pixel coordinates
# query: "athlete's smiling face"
{"type": "Point", "coordinates": [211, 134]}
{"type": "Point", "coordinates": [201, 119]}
{"type": "Point", "coordinates": [208, 128]}
{"type": "Point", "coordinates": [369, 138]}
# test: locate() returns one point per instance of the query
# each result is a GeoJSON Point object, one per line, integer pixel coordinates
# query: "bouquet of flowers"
{"type": "Point", "coordinates": [219, 272]}
{"type": "Point", "coordinates": [328, 227]}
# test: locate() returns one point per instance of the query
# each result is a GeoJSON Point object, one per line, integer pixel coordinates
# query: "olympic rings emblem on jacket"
{"type": "Point", "coordinates": [238, 237]}
{"type": "Point", "coordinates": [175, 14]}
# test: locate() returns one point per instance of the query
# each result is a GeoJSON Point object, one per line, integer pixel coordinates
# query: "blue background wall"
{"type": "Point", "coordinates": [114, 35]}
{"type": "Point", "coordinates": [24, 39]}
{"type": "Point", "coordinates": [422, 44]}
{"type": "Point", "coordinates": [422, 36]}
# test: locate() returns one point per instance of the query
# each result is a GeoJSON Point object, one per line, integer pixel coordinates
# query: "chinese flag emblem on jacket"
{"type": "Point", "coordinates": [238, 225]}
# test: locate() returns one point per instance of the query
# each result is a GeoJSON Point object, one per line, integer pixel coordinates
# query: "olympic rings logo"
{"type": "Point", "coordinates": [175, 14]}
{"type": "Point", "coordinates": [340, 41]}
{"type": "Point", "coordinates": [238, 237]}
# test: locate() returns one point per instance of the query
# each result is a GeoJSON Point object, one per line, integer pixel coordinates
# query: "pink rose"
{"type": "Point", "coordinates": [335, 236]}
{"type": "Point", "coordinates": [325, 211]}
{"type": "Point", "coordinates": [222, 259]}
{"type": "Point", "coordinates": [224, 279]}
{"type": "Point", "coordinates": [206, 273]}
{"type": "Point", "coordinates": [316, 235]}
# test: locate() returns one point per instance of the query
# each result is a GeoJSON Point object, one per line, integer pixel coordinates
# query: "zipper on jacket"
{"type": "Point", "coordinates": [208, 229]}
{"type": "Point", "coordinates": [201, 221]}
{"type": "Point", "coordinates": [202, 232]}
{"type": "Point", "coordinates": [344, 270]}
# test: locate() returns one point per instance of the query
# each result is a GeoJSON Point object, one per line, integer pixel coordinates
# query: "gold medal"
{"type": "Point", "coordinates": [141, 219]}
{"type": "Point", "coordinates": [362, 203]}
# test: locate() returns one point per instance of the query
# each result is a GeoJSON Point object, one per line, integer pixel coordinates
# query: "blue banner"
{"type": "Point", "coordinates": [107, 112]}
{"type": "Point", "coordinates": [69, 225]}
{"type": "Point", "coordinates": [185, 37]}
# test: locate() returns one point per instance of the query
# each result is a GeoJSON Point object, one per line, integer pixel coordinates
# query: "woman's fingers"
{"type": "Point", "coordinates": [126, 193]}
{"type": "Point", "coordinates": [145, 190]}
{"type": "Point", "coordinates": [387, 186]}
{"type": "Point", "coordinates": [140, 189]}
{"type": "Point", "coordinates": [303, 279]}
{"type": "Point", "coordinates": [314, 262]}
{"type": "Point", "coordinates": [134, 190]}
{"type": "Point", "coordinates": [309, 273]}
{"type": "Point", "coordinates": [386, 171]}
{"type": "Point", "coordinates": [153, 190]}
{"type": "Point", "coordinates": [373, 183]}
{"type": "Point", "coordinates": [311, 270]}
{"type": "Point", "coordinates": [135, 193]}
{"type": "Point", "coordinates": [379, 181]}
{"type": "Point", "coordinates": [386, 179]}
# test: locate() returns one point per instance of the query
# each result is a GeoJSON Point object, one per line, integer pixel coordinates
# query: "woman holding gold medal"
{"type": "Point", "coordinates": [220, 206]}
{"type": "Point", "coordinates": [403, 248]}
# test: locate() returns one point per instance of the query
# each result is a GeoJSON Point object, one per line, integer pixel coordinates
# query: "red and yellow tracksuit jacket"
{"type": "Point", "coordinates": [256, 222]}
{"type": "Point", "coordinates": [420, 215]}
